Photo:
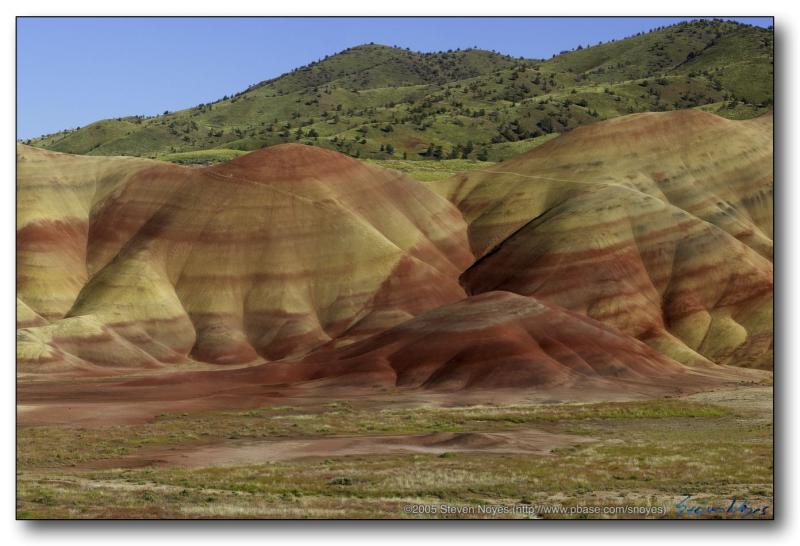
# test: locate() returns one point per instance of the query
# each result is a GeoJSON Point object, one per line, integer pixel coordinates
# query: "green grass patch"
{"type": "Point", "coordinates": [202, 157]}
{"type": "Point", "coordinates": [366, 98]}
{"type": "Point", "coordinates": [428, 171]}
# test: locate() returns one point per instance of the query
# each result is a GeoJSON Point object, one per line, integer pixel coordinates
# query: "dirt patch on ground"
{"type": "Point", "coordinates": [531, 441]}
{"type": "Point", "coordinates": [93, 403]}
{"type": "Point", "coordinates": [757, 400]}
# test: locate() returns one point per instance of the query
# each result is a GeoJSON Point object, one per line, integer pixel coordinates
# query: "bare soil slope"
{"type": "Point", "coordinates": [632, 255]}
{"type": "Point", "coordinates": [658, 224]}
{"type": "Point", "coordinates": [268, 256]}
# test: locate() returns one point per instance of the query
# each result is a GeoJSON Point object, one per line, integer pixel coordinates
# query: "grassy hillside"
{"type": "Point", "coordinates": [430, 171]}
{"type": "Point", "coordinates": [380, 102]}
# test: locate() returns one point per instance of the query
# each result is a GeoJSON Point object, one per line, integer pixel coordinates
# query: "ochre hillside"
{"type": "Point", "coordinates": [635, 251]}
{"type": "Point", "coordinates": [267, 256]}
{"type": "Point", "coordinates": [659, 224]}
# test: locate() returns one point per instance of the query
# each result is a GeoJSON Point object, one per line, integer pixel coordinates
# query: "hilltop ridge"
{"type": "Point", "coordinates": [383, 102]}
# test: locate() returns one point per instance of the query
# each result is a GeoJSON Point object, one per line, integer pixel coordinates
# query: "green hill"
{"type": "Point", "coordinates": [380, 102]}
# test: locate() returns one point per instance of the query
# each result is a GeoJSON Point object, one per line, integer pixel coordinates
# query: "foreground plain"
{"type": "Point", "coordinates": [714, 447]}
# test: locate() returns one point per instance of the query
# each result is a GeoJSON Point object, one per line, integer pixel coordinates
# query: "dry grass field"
{"type": "Point", "coordinates": [352, 460]}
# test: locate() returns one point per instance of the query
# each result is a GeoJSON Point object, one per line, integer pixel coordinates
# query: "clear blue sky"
{"type": "Point", "coordinates": [72, 71]}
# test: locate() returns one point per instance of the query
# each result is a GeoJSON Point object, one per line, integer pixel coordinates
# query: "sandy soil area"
{"type": "Point", "coordinates": [239, 453]}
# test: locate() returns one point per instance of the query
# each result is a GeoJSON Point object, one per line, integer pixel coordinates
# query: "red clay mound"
{"type": "Point", "coordinates": [496, 340]}
{"type": "Point", "coordinates": [289, 163]}
{"type": "Point", "coordinates": [648, 269]}
{"type": "Point", "coordinates": [266, 257]}
{"type": "Point", "coordinates": [321, 271]}
{"type": "Point", "coordinates": [499, 340]}
{"type": "Point", "coordinates": [493, 341]}
{"type": "Point", "coordinates": [493, 347]}
{"type": "Point", "coordinates": [658, 224]}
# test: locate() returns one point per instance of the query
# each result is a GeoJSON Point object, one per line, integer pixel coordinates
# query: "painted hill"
{"type": "Point", "coordinates": [267, 256]}
{"type": "Point", "coordinates": [495, 340]}
{"type": "Point", "coordinates": [382, 102]}
{"type": "Point", "coordinates": [623, 253]}
{"type": "Point", "coordinates": [658, 224]}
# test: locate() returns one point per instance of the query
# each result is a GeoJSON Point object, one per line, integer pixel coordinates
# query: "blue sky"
{"type": "Point", "coordinates": [72, 71]}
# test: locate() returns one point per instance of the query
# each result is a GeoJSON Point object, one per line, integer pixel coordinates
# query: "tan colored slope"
{"type": "Point", "coordinates": [264, 257]}
{"type": "Point", "coordinates": [714, 168]}
{"type": "Point", "coordinates": [27, 316]}
{"type": "Point", "coordinates": [657, 224]}
{"type": "Point", "coordinates": [56, 194]}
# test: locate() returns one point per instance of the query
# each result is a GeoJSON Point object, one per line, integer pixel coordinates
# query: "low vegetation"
{"type": "Point", "coordinates": [429, 171]}
{"type": "Point", "coordinates": [380, 102]}
{"type": "Point", "coordinates": [648, 453]}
